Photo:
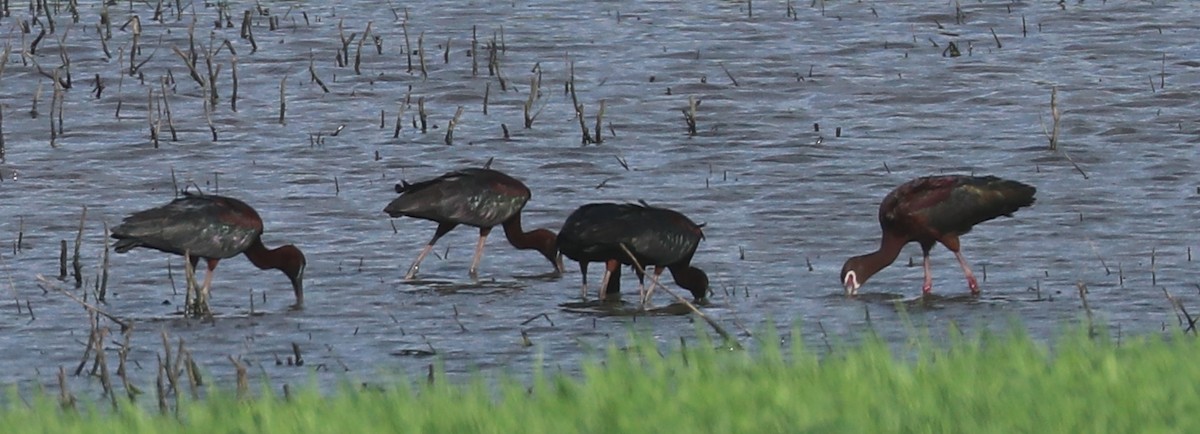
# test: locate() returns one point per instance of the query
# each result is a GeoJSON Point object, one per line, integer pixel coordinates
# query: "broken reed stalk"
{"type": "Point", "coordinates": [421, 54]}
{"type": "Point", "coordinates": [160, 389]}
{"type": "Point", "coordinates": [167, 109]}
{"type": "Point", "coordinates": [37, 95]}
{"type": "Point", "coordinates": [421, 114]}
{"type": "Point", "coordinates": [2, 132]}
{"type": "Point", "coordinates": [7, 52]}
{"type": "Point", "coordinates": [247, 31]}
{"type": "Point", "coordinates": [134, 49]}
{"type": "Point", "coordinates": [150, 116]}
{"type": "Point", "coordinates": [195, 379]}
{"type": "Point", "coordinates": [282, 100]}
{"type": "Point", "coordinates": [312, 74]}
{"type": "Point", "coordinates": [122, 357]}
{"type": "Point", "coordinates": [494, 64]}
{"type": "Point", "coordinates": [101, 362]}
{"type": "Point", "coordinates": [44, 283]}
{"type": "Point", "coordinates": [192, 72]}
{"type": "Point", "coordinates": [104, 267]}
{"type": "Point", "coordinates": [587, 137]}
{"type": "Point", "coordinates": [76, 265]}
{"type": "Point", "coordinates": [400, 115]}
{"type": "Point", "coordinates": [474, 57]}
{"type": "Point", "coordinates": [53, 99]}
{"type": "Point", "coordinates": [1087, 309]}
{"type": "Point", "coordinates": [530, 116]}
{"type": "Point", "coordinates": [168, 363]}
{"type": "Point", "coordinates": [689, 115]}
{"type": "Point", "coordinates": [450, 126]}
{"type": "Point", "coordinates": [599, 118]}
{"type": "Point", "coordinates": [243, 380]}
{"type": "Point", "coordinates": [1055, 115]}
{"type": "Point", "coordinates": [407, 42]}
{"type": "Point", "coordinates": [358, 51]}
{"type": "Point", "coordinates": [1181, 313]}
{"type": "Point", "coordinates": [1153, 272]}
{"type": "Point", "coordinates": [487, 93]}
{"type": "Point", "coordinates": [728, 74]}
{"type": "Point", "coordinates": [233, 96]}
{"type": "Point", "coordinates": [62, 260]}
{"type": "Point", "coordinates": [66, 400]}
{"type": "Point", "coordinates": [720, 330]}
{"type": "Point", "coordinates": [208, 109]}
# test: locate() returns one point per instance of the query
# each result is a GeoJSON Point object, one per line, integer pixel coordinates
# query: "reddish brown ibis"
{"type": "Point", "coordinates": [655, 236]}
{"type": "Point", "coordinates": [936, 209]}
{"type": "Point", "coordinates": [210, 227]}
{"type": "Point", "coordinates": [482, 198]}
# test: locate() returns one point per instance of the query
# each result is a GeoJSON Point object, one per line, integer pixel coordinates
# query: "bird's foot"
{"type": "Point", "coordinates": [973, 284]}
{"type": "Point", "coordinates": [927, 289]}
{"type": "Point", "coordinates": [412, 272]}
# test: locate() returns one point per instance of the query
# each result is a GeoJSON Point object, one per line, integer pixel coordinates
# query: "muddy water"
{"type": "Point", "coordinates": [785, 203]}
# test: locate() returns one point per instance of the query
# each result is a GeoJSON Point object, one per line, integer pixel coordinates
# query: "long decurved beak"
{"type": "Point", "coordinates": [851, 284]}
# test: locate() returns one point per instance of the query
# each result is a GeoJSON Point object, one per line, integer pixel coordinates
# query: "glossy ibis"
{"type": "Point", "coordinates": [478, 197]}
{"type": "Point", "coordinates": [936, 209]}
{"type": "Point", "coordinates": [211, 227]}
{"type": "Point", "coordinates": [655, 236]}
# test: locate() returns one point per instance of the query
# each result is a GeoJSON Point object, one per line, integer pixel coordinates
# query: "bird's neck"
{"type": "Point", "coordinates": [261, 257]}
{"type": "Point", "coordinates": [889, 249]}
{"type": "Point", "coordinates": [518, 237]}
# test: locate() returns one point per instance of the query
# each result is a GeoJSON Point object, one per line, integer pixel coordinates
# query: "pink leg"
{"type": "Point", "coordinates": [483, 234]}
{"type": "Point", "coordinates": [204, 289]}
{"type": "Point", "coordinates": [971, 282]}
{"type": "Point", "coordinates": [658, 271]}
{"type": "Point", "coordinates": [583, 270]}
{"type": "Point", "coordinates": [416, 265]}
{"type": "Point", "coordinates": [608, 272]}
{"type": "Point", "coordinates": [442, 229]}
{"type": "Point", "coordinates": [928, 287]}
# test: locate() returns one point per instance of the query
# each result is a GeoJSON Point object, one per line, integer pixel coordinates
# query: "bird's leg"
{"type": "Point", "coordinates": [609, 267]}
{"type": "Point", "coordinates": [483, 234]}
{"type": "Point", "coordinates": [658, 271]}
{"type": "Point", "coordinates": [971, 282]}
{"type": "Point", "coordinates": [442, 229]}
{"type": "Point", "coordinates": [641, 275]}
{"type": "Point", "coordinates": [202, 299]}
{"type": "Point", "coordinates": [928, 287]}
{"type": "Point", "coordinates": [583, 271]}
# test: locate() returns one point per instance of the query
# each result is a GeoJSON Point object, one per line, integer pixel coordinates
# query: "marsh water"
{"type": "Point", "coordinates": [806, 115]}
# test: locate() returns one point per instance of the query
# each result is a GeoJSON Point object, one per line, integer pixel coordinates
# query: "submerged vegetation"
{"type": "Point", "coordinates": [988, 383]}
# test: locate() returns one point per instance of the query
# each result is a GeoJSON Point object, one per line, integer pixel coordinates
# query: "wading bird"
{"type": "Point", "coordinates": [936, 209]}
{"type": "Point", "coordinates": [210, 227]}
{"type": "Point", "coordinates": [655, 236]}
{"type": "Point", "coordinates": [482, 198]}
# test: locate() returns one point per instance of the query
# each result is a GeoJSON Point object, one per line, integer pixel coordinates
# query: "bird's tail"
{"type": "Point", "coordinates": [1008, 196]}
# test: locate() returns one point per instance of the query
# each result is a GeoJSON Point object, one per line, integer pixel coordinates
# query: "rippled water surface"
{"type": "Point", "coordinates": [784, 197]}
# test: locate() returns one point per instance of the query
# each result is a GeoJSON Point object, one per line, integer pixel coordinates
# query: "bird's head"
{"type": "Point", "coordinates": [851, 273]}
{"type": "Point", "coordinates": [292, 263]}
{"type": "Point", "coordinates": [694, 280]}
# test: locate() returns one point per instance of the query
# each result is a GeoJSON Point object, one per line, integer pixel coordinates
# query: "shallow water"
{"type": "Point", "coordinates": [784, 203]}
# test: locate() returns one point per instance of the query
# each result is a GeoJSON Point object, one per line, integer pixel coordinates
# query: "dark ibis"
{"type": "Point", "coordinates": [655, 236]}
{"type": "Point", "coordinates": [936, 209]}
{"type": "Point", "coordinates": [478, 197]}
{"type": "Point", "coordinates": [211, 227]}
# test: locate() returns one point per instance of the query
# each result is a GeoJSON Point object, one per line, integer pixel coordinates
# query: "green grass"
{"type": "Point", "coordinates": [993, 383]}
